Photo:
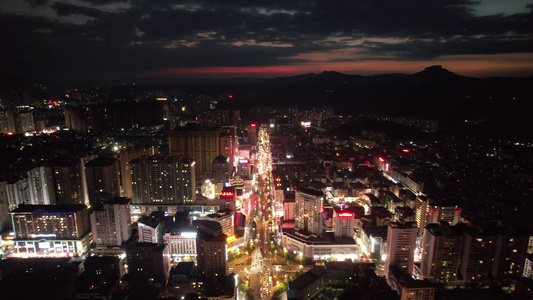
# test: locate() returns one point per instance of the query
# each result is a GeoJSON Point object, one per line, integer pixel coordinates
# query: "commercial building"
{"type": "Point", "coordinates": [51, 230]}
{"type": "Point", "coordinates": [343, 223]}
{"type": "Point", "coordinates": [316, 248]}
{"type": "Point", "coordinates": [111, 223]}
{"type": "Point", "coordinates": [181, 243]}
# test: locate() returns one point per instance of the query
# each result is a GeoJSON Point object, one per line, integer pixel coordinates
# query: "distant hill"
{"type": "Point", "coordinates": [434, 93]}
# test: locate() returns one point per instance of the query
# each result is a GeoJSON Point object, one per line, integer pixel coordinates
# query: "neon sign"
{"type": "Point", "coordinates": [226, 195]}
{"type": "Point", "coordinates": [344, 215]}
{"type": "Point", "coordinates": [381, 159]}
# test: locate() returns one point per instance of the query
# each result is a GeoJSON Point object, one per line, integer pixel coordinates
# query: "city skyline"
{"type": "Point", "coordinates": [126, 40]}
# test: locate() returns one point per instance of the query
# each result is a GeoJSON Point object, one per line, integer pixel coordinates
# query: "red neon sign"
{"type": "Point", "coordinates": [381, 159]}
{"type": "Point", "coordinates": [406, 150]}
{"type": "Point", "coordinates": [457, 212]}
{"type": "Point", "coordinates": [343, 215]}
{"type": "Point", "coordinates": [433, 212]}
{"type": "Point", "coordinates": [253, 125]}
{"type": "Point", "coordinates": [226, 195]}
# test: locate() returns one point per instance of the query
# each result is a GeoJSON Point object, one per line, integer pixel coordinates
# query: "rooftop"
{"type": "Point", "coordinates": [58, 208]}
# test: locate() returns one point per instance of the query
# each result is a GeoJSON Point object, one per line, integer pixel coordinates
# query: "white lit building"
{"type": "Point", "coordinates": [182, 244]}
{"type": "Point", "coordinates": [318, 248]}
{"type": "Point", "coordinates": [343, 223]}
{"type": "Point", "coordinates": [111, 225]}
{"type": "Point", "coordinates": [51, 230]}
{"type": "Point", "coordinates": [401, 242]}
{"type": "Point", "coordinates": [309, 209]}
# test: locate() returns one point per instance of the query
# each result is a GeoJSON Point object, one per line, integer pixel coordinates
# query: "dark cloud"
{"type": "Point", "coordinates": [66, 9]}
{"type": "Point", "coordinates": [137, 35]}
{"type": "Point", "coordinates": [37, 2]}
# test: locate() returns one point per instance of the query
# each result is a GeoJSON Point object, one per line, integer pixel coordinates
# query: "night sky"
{"type": "Point", "coordinates": [164, 40]}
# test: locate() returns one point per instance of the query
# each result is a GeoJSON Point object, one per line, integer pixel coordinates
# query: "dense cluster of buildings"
{"type": "Point", "coordinates": [376, 215]}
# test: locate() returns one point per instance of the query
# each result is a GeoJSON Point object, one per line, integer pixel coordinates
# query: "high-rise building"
{"type": "Point", "coordinates": [401, 242]}
{"type": "Point", "coordinates": [64, 182]}
{"type": "Point", "coordinates": [188, 177]}
{"type": "Point", "coordinates": [441, 257]}
{"type": "Point", "coordinates": [148, 259]}
{"type": "Point", "coordinates": [252, 134]}
{"type": "Point", "coordinates": [27, 187]}
{"type": "Point", "coordinates": [409, 288]}
{"type": "Point", "coordinates": [343, 223]}
{"type": "Point", "coordinates": [225, 219]}
{"type": "Point", "coordinates": [16, 121]}
{"type": "Point", "coordinates": [478, 245]}
{"type": "Point", "coordinates": [510, 250]}
{"type": "Point", "coordinates": [37, 185]}
{"type": "Point", "coordinates": [5, 218]}
{"type": "Point", "coordinates": [106, 116]}
{"type": "Point", "coordinates": [111, 223]}
{"type": "Point", "coordinates": [429, 211]}
{"type": "Point", "coordinates": [212, 249]}
{"type": "Point", "coordinates": [309, 204]}
{"type": "Point", "coordinates": [162, 180]}
{"type": "Point", "coordinates": [7, 122]}
{"type": "Point", "coordinates": [102, 179]}
{"type": "Point", "coordinates": [24, 121]}
{"type": "Point", "coordinates": [51, 229]}
{"type": "Point", "coordinates": [201, 144]}
{"type": "Point", "coordinates": [125, 156]}
{"type": "Point", "coordinates": [219, 171]}
{"type": "Point", "coordinates": [151, 229]}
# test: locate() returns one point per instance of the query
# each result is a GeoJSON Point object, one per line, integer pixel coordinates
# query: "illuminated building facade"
{"type": "Point", "coordinates": [343, 223]}
{"type": "Point", "coordinates": [151, 229]}
{"type": "Point", "coordinates": [225, 219]}
{"type": "Point", "coordinates": [401, 241]}
{"type": "Point", "coordinates": [162, 180]}
{"type": "Point", "coordinates": [111, 224]}
{"type": "Point", "coordinates": [55, 230]}
{"type": "Point", "coordinates": [182, 244]}
{"type": "Point", "coordinates": [429, 211]}
{"type": "Point", "coordinates": [318, 247]}
{"type": "Point", "coordinates": [309, 208]}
